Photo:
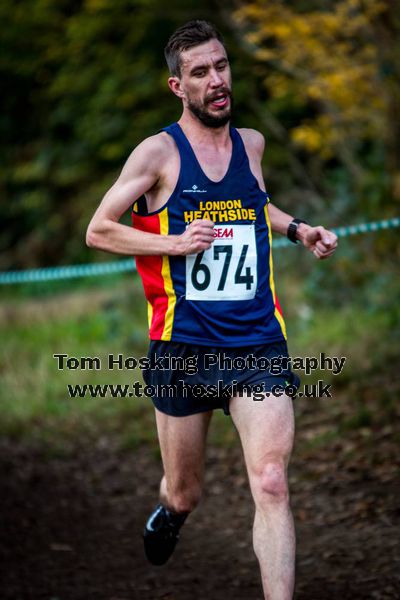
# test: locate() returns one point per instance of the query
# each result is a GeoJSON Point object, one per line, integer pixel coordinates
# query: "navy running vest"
{"type": "Point", "coordinates": [224, 296]}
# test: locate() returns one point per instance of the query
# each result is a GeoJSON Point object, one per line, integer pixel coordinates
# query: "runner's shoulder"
{"type": "Point", "coordinates": [151, 153]}
{"type": "Point", "coordinates": [253, 140]}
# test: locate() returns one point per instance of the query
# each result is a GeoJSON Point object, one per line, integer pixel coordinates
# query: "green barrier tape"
{"type": "Point", "coordinates": [58, 273]}
{"type": "Point", "coordinates": [122, 266]}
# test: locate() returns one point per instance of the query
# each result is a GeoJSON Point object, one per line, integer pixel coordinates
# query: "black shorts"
{"type": "Point", "coordinates": [189, 379]}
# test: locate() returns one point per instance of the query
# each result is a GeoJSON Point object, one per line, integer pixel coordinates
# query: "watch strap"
{"type": "Point", "coordinates": [292, 230]}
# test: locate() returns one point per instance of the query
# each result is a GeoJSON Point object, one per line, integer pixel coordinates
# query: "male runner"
{"type": "Point", "coordinates": [201, 235]}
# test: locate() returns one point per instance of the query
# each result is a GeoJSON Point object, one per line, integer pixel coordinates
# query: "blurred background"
{"type": "Point", "coordinates": [84, 81]}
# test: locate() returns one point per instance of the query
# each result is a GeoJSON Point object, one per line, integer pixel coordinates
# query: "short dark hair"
{"type": "Point", "coordinates": [187, 36]}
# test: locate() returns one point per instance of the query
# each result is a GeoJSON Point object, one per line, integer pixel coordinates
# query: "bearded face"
{"type": "Point", "coordinates": [205, 83]}
{"type": "Point", "coordinates": [216, 109]}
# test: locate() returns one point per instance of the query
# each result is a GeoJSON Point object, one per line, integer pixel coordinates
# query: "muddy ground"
{"type": "Point", "coordinates": [71, 524]}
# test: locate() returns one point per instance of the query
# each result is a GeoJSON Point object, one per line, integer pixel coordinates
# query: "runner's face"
{"type": "Point", "coordinates": [206, 83]}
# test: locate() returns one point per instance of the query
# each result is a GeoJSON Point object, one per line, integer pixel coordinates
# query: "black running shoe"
{"type": "Point", "coordinates": [161, 534]}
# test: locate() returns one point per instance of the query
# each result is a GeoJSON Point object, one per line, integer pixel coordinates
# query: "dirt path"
{"type": "Point", "coordinates": [71, 526]}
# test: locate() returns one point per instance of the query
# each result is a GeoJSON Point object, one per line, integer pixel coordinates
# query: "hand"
{"type": "Point", "coordinates": [198, 237]}
{"type": "Point", "coordinates": [321, 242]}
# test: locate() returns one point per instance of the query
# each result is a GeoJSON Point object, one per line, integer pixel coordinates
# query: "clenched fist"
{"type": "Point", "coordinates": [198, 237]}
{"type": "Point", "coordinates": [321, 242]}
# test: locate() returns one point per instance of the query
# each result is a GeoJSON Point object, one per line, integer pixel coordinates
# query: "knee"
{"type": "Point", "coordinates": [270, 483]}
{"type": "Point", "coordinates": [185, 497]}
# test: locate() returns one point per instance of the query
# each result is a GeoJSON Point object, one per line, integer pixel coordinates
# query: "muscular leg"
{"type": "Point", "coordinates": [182, 443]}
{"type": "Point", "coordinates": [266, 430]}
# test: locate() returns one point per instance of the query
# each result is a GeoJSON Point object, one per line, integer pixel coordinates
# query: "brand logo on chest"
{"type": "Point", "coordinates": [195, 190]}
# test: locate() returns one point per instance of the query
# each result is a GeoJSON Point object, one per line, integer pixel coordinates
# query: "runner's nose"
{"type": "Point", "coordinates": [216, 79]}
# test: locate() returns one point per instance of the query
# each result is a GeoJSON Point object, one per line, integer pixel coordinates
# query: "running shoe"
{"type": "Point", "coordinates": [161, 534]}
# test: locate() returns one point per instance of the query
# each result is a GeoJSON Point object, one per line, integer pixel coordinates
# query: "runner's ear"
{"type": "Point", "coordinates": [174, 84]}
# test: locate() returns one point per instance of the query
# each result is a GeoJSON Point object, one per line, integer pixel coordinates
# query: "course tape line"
{"type": "Point", "coordinates": [122, 266]}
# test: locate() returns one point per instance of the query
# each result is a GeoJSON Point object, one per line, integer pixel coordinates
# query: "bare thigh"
{"type": "Point", "coordinates": [266, 430]}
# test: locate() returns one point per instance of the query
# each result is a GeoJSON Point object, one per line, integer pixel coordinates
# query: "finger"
{"type": "Point", "coordinates": [329, 238]}
{"type": "Point", "coordinates": [329, 241]}
{"type": "Point", "coordinates": [322, 249]}
{"type": "Point", "coordinates": [323, 246]}
{"type": "Point", "coordinates": [201, 234]}
{"type": "Point", "coordinates": [200, 246]}
{"type": "Point", "coordinates": [316, 253]}
{"type": "Point", "coordinates": [323, 236]}
{"type": "Point", "coordinates": [327, 254]}
{"type": "Point", "coordinates": [204, 234]}
{"type": "Point", "coordinates": [200, 229]}
{"type": "Point", "coordinates": [320, 246]}
{"type": "Point", "coordinates": [202, 237]}
{"type": "Point", "coordinates": [202, 223]}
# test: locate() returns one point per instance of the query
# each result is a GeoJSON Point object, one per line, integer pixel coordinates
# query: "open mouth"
{"type": "Point", "coordinates": [219, 101]}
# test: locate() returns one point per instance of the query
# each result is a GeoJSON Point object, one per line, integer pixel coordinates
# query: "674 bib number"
{"type": "Point", "coordinates": [227, 270]}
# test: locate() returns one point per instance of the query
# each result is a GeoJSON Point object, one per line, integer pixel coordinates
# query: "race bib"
{"type": "Point", "coordinates": [227, 270]}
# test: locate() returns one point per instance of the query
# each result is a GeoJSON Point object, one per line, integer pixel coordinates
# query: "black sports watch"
{"type": "Point", "coordinates": [292, 230]}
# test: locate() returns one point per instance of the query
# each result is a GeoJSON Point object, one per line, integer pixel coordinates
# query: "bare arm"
{"type": "Point", "coordinates": [321, 242]}
{"type": "Point", "coordinates": [141, 173]}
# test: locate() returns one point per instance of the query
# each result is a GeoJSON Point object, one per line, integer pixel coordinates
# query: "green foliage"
{"type": "Point", "coordinates": [83, 83]}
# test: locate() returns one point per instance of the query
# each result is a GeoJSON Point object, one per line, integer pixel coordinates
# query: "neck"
{"type": "Point", "coordinates": [200, 133]}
